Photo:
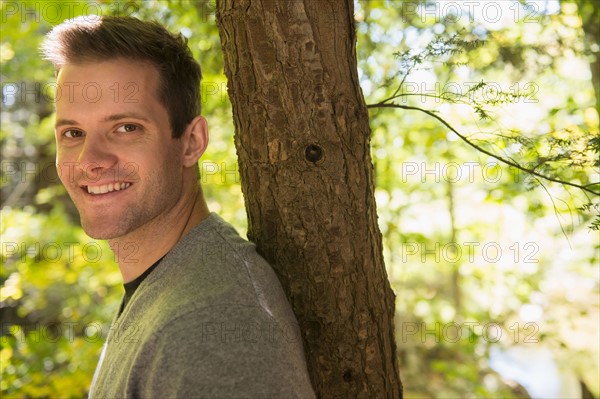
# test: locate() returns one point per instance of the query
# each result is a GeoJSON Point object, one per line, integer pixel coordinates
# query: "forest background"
{"type": "Point", "coordinates": [495, 269]}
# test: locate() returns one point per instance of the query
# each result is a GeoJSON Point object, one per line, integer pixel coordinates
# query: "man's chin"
{"type": "Point", "coordinates": [100, 235]}
{"type": "Point", "coordinates": [101, 231]}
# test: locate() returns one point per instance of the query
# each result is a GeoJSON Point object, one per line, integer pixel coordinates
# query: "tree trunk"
{"type": "Point", "coordinates": [589, 11]}
{"type": "Point", "coordinates": [302, 137]}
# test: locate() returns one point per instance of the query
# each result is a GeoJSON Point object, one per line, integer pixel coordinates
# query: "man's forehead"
{"type": "Point", "coordinates": [109, 70]}
{"type": "Point", "coordinates": [119, 81]}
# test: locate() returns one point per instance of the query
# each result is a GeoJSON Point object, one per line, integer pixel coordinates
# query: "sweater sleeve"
{"type": "Point", "coordinates": [222, 352]}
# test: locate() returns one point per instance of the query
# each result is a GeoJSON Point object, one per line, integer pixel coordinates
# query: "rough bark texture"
{"type": "Point", "coordinates": [589, 11]}
{"type": "Point", "coordinates": [302, 137]}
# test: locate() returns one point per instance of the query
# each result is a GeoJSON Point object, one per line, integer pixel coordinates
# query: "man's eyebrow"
{"type": "Point", "coordinates": [110, 118]}
{"type": "Point", "coordinates": [62, 122]}
{"type": "Point", "coordinates": [116, 117]}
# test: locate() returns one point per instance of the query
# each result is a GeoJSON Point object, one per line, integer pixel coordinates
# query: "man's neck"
{"type": "Point", "coordinates": [138, 250]}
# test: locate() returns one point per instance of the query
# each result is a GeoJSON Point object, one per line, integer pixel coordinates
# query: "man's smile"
{"type": "Point", "coordinates": [106, 188]}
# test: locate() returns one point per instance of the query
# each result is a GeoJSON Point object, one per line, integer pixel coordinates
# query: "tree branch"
{"type": "Point", "coordinates": [483, 150]}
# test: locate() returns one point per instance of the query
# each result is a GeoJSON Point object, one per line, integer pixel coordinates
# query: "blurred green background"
{"type": "Point", "coordinates": [496, 273]}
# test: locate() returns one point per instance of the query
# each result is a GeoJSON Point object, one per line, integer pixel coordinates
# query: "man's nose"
{"type": "Point", "coordinates": [96, 156]}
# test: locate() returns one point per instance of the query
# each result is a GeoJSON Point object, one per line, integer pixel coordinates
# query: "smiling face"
{"type": "Point", "coordinates": [115, 153]}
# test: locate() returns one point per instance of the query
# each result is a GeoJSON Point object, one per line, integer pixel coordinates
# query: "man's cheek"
{"type": "Point", "coordinates": [66, 172]}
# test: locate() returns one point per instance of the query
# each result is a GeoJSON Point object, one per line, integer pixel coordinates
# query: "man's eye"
{"type": "Point", "coordinates": [73, 133]}
{"type": "Point", "coordinates": [127, 128]}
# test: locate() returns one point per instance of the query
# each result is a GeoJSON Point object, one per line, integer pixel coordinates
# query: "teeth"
{"type": "Point", "coordinates": [107, 188]}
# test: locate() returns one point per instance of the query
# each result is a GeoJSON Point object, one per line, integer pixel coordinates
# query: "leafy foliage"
{"type": "Point", "coordinates": [440, 202]}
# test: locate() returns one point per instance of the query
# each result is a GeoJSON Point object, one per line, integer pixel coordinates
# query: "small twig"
{"type": "Point", "coordinates": [556, 213]}
{"type": "Point", "coordinates": [481, 149]}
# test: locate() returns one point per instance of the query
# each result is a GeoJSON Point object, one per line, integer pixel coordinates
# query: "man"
{"type": "Point", "coordinates": [203, 315]}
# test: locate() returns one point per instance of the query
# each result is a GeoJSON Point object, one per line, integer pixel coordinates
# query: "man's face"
{"type": "Point", "coordinates": [115, 153]}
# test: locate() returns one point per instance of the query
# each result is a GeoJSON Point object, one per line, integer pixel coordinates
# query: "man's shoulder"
{"type": "Point", "coordinates": [211, 246]}
{"type": "Point", "coordinates": [213, 270]}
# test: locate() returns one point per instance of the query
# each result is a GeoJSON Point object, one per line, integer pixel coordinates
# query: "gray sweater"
{"type": "Point", "coordinates": [211, 321]}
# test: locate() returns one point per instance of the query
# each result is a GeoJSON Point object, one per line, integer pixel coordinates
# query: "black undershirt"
{"type": "Point", "coordinates": [131, 286]}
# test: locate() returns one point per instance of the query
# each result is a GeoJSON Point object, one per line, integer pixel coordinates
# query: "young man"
{"type": "Point", "coordinates": [203, 314]}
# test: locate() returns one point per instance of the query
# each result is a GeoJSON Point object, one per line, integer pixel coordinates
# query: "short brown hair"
{"type": "Point", "coordinates": [93, 38]}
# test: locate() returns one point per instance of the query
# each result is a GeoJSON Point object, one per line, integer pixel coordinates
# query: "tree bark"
{"type": "Point", "coordinates": [302, 137]}
{"type": "Point", "coordinates": [589, 11]}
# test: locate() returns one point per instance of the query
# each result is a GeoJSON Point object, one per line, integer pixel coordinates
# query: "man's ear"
{"type": "Point", "coordinates": [195, 140]}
